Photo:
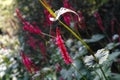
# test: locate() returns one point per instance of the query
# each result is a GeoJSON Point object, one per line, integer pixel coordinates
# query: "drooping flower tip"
{"type": "Point", "coordinates": [19, 15]}
{"type": "Point", "coordinates": [82, 20]}
{"type": "Point", "coordinates": [61, 46]}
{"type": "Point", "coordinates": [62, 11]}
{"type": "Point", "coordinates": [17, 11]}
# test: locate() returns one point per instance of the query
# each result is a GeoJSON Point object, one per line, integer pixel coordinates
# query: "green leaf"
{"type": "Point", "coordinates": [77, 63]}
{"type": "Point", "coordinates": [115, 76]}
{"type": "Point", "coordinates": [67, 74]}
{"type": "Point", "coordinates": [110, 46]}
{"type": "Point", "coordinates": [26, 76]}
{"type": "Point", "coordinates": [94, 38]}
{"type": "Point", "coordinates": [114, 55]}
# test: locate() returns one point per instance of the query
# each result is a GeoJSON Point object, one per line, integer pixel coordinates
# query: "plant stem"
{"type": "Point", "coordinates": [79, 38]}
{"type": "Point", "coordinates": [78, 71]}
{"type": "Point", "coordinates": [98, 74]}
{"type": "Point", "coordinates": [103, 73]}
{"type": "Point", "coordinates": [48, 35]}
{"type": "Point", "coordinates": [43, 2]}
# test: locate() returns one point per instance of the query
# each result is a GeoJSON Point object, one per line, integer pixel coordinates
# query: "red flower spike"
{"type": "Point", "coordinates": [32, 42]}
{"type": "Point", "coordinates": [99, 21]}
{"type": "Point", "coordinates": [27, 25]}
{"type": "Point", "coordinates": [67, 17]}
{"type": "Point", "coordinates": [47, 22]}
{"type": "Point", "coordinates": [43, 49]}
{"type": "Point", "coordinates": [112, 25]}
{"type": "Point", "coordinates": [67, 4]}
{"type": "Point", "coordinates": [28, 63]}
{"type": "Point", "coordinates": [62, 48]}
{"type": "Point", "coordinates": [119, 34]}
{"type": "Point", "coordinates": [31, 28]}
{"type": "Point", "coordinates": [113, 22]}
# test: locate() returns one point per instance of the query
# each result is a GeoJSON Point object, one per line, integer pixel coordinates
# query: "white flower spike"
{"type": "Point", "coordinates": [62, 11]}
{"type": "Point", "coordinates": [101, 55]}
{"type": "Point", "coordinates": [89, 61]}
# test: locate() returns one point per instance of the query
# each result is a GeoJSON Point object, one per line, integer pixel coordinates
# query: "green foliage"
{"type": "Point", "coordinates": [11, 65]}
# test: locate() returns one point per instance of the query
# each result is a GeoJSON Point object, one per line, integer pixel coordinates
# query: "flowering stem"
{"type": "Point", "coordinates": [79, 38]}
{"type": "Point", "coordinates": [79, 72]}
{"type": "Point", "coordinates": [43, 2]}
{"type": "Point", "coordinates": [47, 35]}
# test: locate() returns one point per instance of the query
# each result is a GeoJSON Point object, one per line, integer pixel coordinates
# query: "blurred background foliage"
{"type": "Point", "coordinates": [13, 38]}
